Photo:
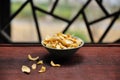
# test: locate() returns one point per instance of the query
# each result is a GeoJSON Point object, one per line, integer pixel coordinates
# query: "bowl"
{"type": "Point", "coordinates": [60, 53]}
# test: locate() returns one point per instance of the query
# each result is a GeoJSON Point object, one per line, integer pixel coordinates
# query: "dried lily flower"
{"type": "Point", "coordinates": [54, 65]}
{"type": "Point", "coordinates": [25, 69]}
{"type": "Point", "coordinates": [31, 58]}
{"type": "Point", "coordinates": [40, 62]}
{"type": "Point", "coordinates": [43, 69]}
{"type": "Point", "coordinates": [34, 66]}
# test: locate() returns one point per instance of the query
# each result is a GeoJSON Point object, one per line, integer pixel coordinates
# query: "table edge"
{"type": "Point", "coordinates": [39, 45]}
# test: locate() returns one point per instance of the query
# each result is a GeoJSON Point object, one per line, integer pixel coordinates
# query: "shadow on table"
{"type": "Point", "coordinates": [66, 61]}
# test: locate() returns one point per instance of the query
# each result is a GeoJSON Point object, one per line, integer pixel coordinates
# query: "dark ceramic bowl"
{"type": "Point", "coordinates": [63, 52]}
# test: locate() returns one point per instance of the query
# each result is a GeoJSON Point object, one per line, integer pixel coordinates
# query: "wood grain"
{"type": "Point", "coordinates": [89, 63]}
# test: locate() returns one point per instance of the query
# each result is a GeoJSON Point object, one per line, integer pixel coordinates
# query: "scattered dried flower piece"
{"type": "Point", "coordinates": [31, 58]}
{"type": "Point", "coordinates": [54, 65]}
{"type": "Point", "coordinates": [40, 62]}
{"type": "Point", "coordinates": [25, 69]}
{"type": "Point", "coordinates": [43, 69]}
{"type": "Point", "coordinates": [34, 66]}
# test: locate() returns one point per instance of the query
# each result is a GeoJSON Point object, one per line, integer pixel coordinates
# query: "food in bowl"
{"type": "Point", "coordinates": [62, 41]}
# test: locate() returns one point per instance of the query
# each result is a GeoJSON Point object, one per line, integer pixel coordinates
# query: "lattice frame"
{"type": "Point", "coordinates": [51, 13]}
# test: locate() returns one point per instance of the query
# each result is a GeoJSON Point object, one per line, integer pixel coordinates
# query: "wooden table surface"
{"type": "Point", "coordinates": [91, 62]}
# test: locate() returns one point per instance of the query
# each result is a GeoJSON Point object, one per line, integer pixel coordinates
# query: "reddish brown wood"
{"type": "Point", "coordinates": [89, 63]}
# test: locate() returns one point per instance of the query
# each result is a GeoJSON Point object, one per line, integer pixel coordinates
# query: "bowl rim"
{"type": "Point", "coordinates": [64, 49]}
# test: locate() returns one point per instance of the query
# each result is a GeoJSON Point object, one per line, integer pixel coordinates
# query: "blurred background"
{"type": "Point", "coordinates": [23, 25]}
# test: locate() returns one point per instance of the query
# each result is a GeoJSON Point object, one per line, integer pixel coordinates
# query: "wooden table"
{"type": "Point", "coordinates": [91, 62]}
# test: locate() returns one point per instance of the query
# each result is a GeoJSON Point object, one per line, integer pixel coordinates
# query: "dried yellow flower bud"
{"type": "Point", "coordinates": [25, 69]}
{"type": "Point", "coordinates": [40, 62]}
{"type": "Point", "coordinates": [33, 59]}
{"type": "Point", "coordinates": [34, 66]}
{"type": "Point", "coordinates": [54, 65]}
{"type": "Point", "coordinates": [43, 69]}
